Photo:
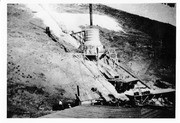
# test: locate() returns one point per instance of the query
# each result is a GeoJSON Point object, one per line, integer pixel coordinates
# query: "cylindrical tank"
{"type": "Point", "coordinates": [92, 37]}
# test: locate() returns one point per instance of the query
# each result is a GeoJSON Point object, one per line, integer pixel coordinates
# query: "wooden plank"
{"type": "Point", "coordinates": [89, 111]}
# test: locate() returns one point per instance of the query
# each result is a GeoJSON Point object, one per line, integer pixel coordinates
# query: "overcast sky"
{"type": "Point", "coordinates": [154, 11]}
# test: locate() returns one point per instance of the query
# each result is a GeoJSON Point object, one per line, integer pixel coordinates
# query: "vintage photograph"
{"type": "Point", "coordinates": [91, 60]}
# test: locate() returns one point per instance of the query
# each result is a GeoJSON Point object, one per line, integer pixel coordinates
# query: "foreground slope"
{"type": "Point", "coordinates": [42, 71]}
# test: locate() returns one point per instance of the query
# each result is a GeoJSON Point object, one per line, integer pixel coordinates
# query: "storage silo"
{"type": "Point", "coordinates": [92, 42]}
{"type": "Point", "coordinates": [92, 37]}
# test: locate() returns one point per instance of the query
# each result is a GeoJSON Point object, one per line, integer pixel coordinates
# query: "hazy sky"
{"type": "Point", "coordinates": [154, 11]}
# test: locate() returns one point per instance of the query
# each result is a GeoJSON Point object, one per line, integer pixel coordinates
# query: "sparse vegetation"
{"type": "Point", "coordinates": [29, 93]}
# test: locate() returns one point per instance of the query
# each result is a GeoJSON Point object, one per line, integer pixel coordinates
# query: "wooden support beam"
{"type": "Point", "coordinates": [78, 92]}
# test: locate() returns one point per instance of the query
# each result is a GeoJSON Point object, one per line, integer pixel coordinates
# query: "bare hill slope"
{"type": "Point", "coordinates": [41, 70]}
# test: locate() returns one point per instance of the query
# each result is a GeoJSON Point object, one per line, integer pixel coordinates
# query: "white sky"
{"type": "Point", "coordinates": [154, 11]}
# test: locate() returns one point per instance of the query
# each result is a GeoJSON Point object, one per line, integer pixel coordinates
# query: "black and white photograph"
{"type": "Point", "coordinates": [91, 60]}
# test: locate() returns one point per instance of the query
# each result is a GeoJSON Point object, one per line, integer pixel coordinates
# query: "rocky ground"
{"type": "Point", "coordinates": [42, 71]}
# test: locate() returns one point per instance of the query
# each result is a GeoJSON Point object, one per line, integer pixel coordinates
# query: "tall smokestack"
{"type": "Point", "coordinates": [90, 12]}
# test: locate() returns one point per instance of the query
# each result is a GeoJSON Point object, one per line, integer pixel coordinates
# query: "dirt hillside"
{"type": "Point", "coordinates": [42, 70]}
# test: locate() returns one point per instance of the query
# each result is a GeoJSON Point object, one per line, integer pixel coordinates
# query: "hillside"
{"type": "Point", "coordinates": [156, 40]}
{"type": "Point", "coordinates": [42, 70]}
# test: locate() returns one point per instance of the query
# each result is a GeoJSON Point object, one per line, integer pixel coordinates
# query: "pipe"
{"type": "Point", "coordinates": [90, 12]}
